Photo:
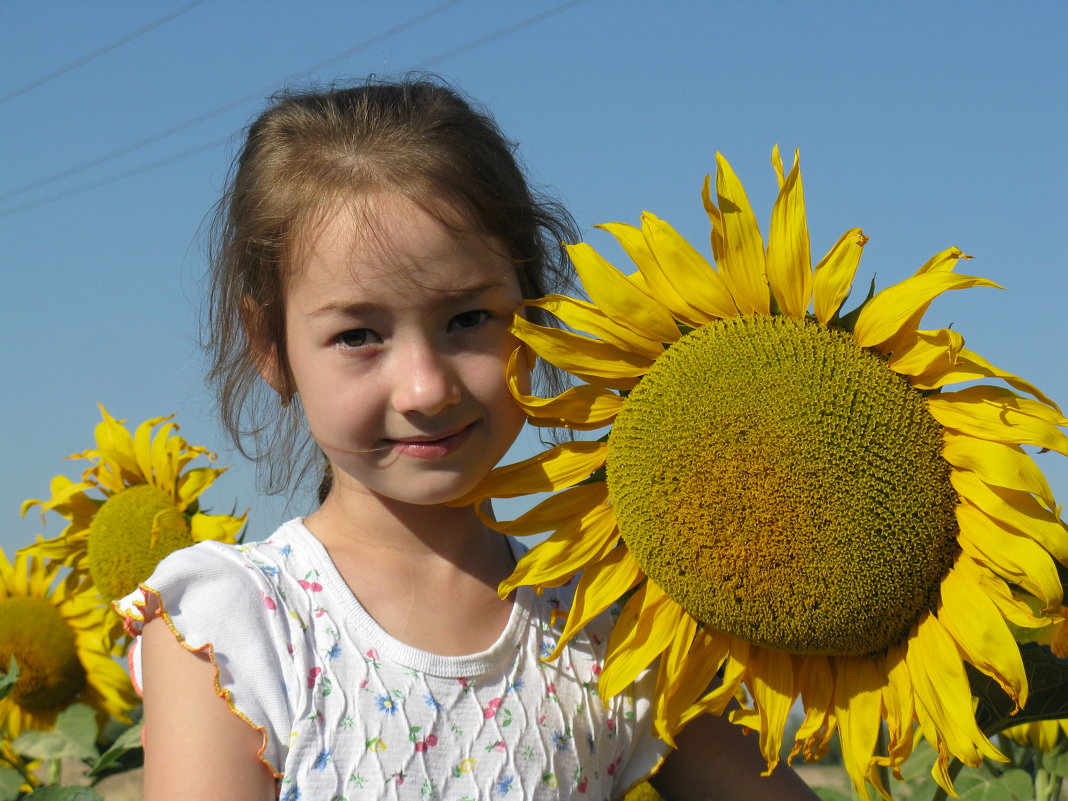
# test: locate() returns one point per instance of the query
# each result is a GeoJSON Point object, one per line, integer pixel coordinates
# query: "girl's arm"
{"type": "Point", "coordinates": [196, 749]}
{"type": "Point", "coordinates": [717, 761]}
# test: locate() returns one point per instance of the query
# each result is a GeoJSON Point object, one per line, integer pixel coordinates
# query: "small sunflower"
{"type": "Point", "coordinates": [149, 506]}
{"type": "Point", "coordinates": [56, 635]}
{"type": "Point", "coordinates": [789, 496]}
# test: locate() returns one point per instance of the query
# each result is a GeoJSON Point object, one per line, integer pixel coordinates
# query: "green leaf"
{"type": "Point", "coordinates": [78, 723]}
{"type": "Point", "coordinates": [830, 794]}
{"type": "Point", "coordinates": [1055, 761]}
{"type": "Point", "coordinates": [1047, 678]}
{"type": "Point", "coordinates": [65, 794]}
{"type": "Point", "coordinates": [73, 737]}
{"type": "Point", "coordinates": [10, 781]}
{"type": "Point", "coordinates": [1012, 785]}
{"type": "Point", "coordinates": [7, 680]}
{"type": "Point", "coordinates": [128, 741]}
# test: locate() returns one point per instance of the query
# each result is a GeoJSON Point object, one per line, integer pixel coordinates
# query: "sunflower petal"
{"type": "Point", "coordinates": [220, 528]}
{"type": "Point", "coordinates": [579, 542]}
{"type": "Point", "coordinates": [771, 680]}
{"type": "Point", "coordinates": [884, 316]}
{"type": "Point", "coordinates": [642, 633]}
{"type": "Point", "coordinates": [600, 586]}
{"type": "Point", "coordinates": [1015, 510]}
{"type": "Point", "coordinates": [943, 261]}
{"type": "Point", "coordinates": [926, 352]}
{"type": "Point", "coordinates": [833, 276]}
{"type": "Point", "coordinates": [742, 263]}
{"type": "Point", "coordinates": [1000, 415]}
{"type": "Point", "coordinates": [688, 669]}
{"type": "Point", "coordinates": [815, 685]}
{"type": "Point", "coordinates": [968, 366]}
{"type": "Point", "coordinates": [976, 624]}
{"type": "Point", "coordinates": [857, 705]}
{"type": "Point", "coordinates": [591, 360]}
{"type": "Point", "coordinates": [619, 298]}
{"type": "Point", "coordinates": [1018, 560]}
{"type": "Point", "coordinates": [999, 464]}
{"type": "Point", "coordinates": [789, 259]}
{"type": "Point", "coordinates": [556, 510]}
{"type": "Point", "coordinates": [580, 408]}
{"type": "Point", "coordinates": [557, 468]}
{"type": "Point", "coordinates": [583, 316]}
{"type": "Point", "coordinates": [943, 694]}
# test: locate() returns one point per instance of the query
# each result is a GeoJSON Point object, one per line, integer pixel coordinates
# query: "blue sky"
{"type": "Point", "coordinates": [927, 124]}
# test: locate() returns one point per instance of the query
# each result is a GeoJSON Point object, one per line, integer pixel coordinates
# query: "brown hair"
{"type": "Point", "coordinates": [417, 136]}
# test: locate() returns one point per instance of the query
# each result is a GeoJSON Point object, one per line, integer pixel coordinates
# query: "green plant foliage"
{"type": "Point", "coordinates": [65, 794]}
{"type": "Point", "coordinates": [7, 680]}
{"type": "Point", "coordinates": [73, 737]}
{"type": "Point", "coordinates": [10, 781]}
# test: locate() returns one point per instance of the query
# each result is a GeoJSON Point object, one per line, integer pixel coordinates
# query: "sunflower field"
{"type": "Point", "coordinates": [816, 517]}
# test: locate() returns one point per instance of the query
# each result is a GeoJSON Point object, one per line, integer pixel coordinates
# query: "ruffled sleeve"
{"type": "Point", "coordinates": [219, 600]}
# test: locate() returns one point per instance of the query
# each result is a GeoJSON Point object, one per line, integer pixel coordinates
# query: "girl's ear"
{"type": "Point", "coordinates": [263, 349]}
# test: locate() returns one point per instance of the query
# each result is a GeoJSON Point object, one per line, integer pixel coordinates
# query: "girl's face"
{"type": "Point", "coordinates": [397, 340]}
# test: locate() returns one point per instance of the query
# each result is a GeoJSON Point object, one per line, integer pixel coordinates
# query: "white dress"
{"type": "Point", "coordinates": [348, 712]}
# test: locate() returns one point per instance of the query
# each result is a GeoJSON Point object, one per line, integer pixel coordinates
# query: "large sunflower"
{"type": "Point", "coordinates": [790, 496]}
{"type": "Point", "coordinates": [56, 635]}
{"type": "Point", "coordinates": [149, 506]}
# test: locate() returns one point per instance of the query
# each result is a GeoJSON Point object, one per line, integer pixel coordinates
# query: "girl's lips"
{"type": "Point", "coordinates": [431, 448]}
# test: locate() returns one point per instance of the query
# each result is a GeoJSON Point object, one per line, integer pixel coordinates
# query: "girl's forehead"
{"type": "Point", "coordinates": [384, 237]}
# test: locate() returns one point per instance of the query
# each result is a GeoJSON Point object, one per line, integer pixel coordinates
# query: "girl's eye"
{"type": "Point", "coordinates": [469, 319]}
{"type": "Point", "coordinates": [357, 337]}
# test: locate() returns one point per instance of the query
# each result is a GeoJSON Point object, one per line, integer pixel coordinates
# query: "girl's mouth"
{"type": "Point", "coordinates": [434, 447]}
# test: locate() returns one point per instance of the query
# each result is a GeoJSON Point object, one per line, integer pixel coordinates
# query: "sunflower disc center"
{"type": "Point", "coordinates": [43, 645]}
{"type": "Point", "coordinates": [785, 486]}
{"type": "Point", "coordinates": [121, 551]}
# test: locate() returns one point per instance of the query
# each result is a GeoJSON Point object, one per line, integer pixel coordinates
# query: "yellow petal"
{"type": "Point", "coordinates": [943, 261]}
{"type": "Point", "coordinates": [701, 288]}
{"type": "Point", "coordinates": [925, 352]}
{"type": "Point", "coordinates": [221, 528]}
{"type": "Point", "coordinates": [815, 685]}
{"type": "Point", "coordinates": [1000, 415]}
{"type": "Point", "coordinates": [898, 709]}
{"type": "Point", "coordinates": [581, 541]}
{"type": "Point", "coordinates": [587, 318]}
{"type": "Point", "coordinates": [998, 463]}
{"type": "Point", "coordinates": [857, 705]}
{"type": "Point", "coordinates": [789, 260]}
{"type": "Point", "coordinates": [716, 700]}
{"type": "Point", "coordinates": [194, 482]}
{"type": "Point", "coordinates": [969, 366]}
{"type": "Point", "coordinates": [600, 586]}
{"type": "Point", "coordinates": [979, 630]}
{"type": "Point", "coordinates": [943, 694]}
{"type": "Point", "coordinates": [742, 263]}
{"type": "Point", "coordinates": [563, 466]}
{"type": "Point", "coordinates": [883, 317]}
{"type": "Point", "coordinates": [1015, 510]}
{"type": "Point", "coordinates": [771, 680]}
{"type": "Point", "coordinates": [833, 276]}
{"type": "Point", "coordinates": [619, 298]}
{"type": "Point", "coordinates": [580, 408]}
{"type": "Point", "coordinates": [556, 510]}
{"type": "Point", "coordinates": [643, 631]}
{"type": "Point", "coordinates": [591, 360]}
{"type": "Point", "coordinates": [1019, 560]}
{"type": "Point", "coordinates": [687, 669]}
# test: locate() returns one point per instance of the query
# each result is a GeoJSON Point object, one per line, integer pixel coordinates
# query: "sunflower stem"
{"type": "Point", "coordinates": [55, 770]}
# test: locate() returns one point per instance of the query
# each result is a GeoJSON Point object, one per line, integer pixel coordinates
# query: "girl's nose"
{"type": "Point", "coordinates": [425, 382]}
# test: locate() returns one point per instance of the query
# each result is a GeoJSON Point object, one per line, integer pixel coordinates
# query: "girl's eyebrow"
{"type": "Point", "coordinates": [449, 296]}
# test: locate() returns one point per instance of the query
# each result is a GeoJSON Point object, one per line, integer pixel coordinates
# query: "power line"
{"type": "Point", "coordinates": [215, 112]}
{"type": "Point", "coordinates": [219, 142]}
{"type": "Point", "coordinates": [97, 53]}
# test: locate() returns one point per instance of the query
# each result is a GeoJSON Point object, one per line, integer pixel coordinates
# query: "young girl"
{"type": "Point", "coordinates": [373, 246]}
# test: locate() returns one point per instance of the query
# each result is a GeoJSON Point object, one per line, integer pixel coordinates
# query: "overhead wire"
{"type": "Point", "coordinates": [468, 46]}
{"type": "Point", "coordinates": [99, 52]}
{"type": "Point", "coordinates": [151, 139]}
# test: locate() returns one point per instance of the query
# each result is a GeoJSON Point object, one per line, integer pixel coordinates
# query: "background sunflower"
{"type": "Point", "coordinates": [57, 637]}
{"type": "Point", "coordinates": [146, 506]}
{"type": "Point", "coordinates": [790, 496]}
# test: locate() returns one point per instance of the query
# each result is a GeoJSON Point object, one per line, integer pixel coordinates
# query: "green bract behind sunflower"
{"type": "Point", "coordinates": [56, 635]}
{"type": "Point", "coordinates": [133, 506]}
{"type": "Point", "coordinates": [790, 495]}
